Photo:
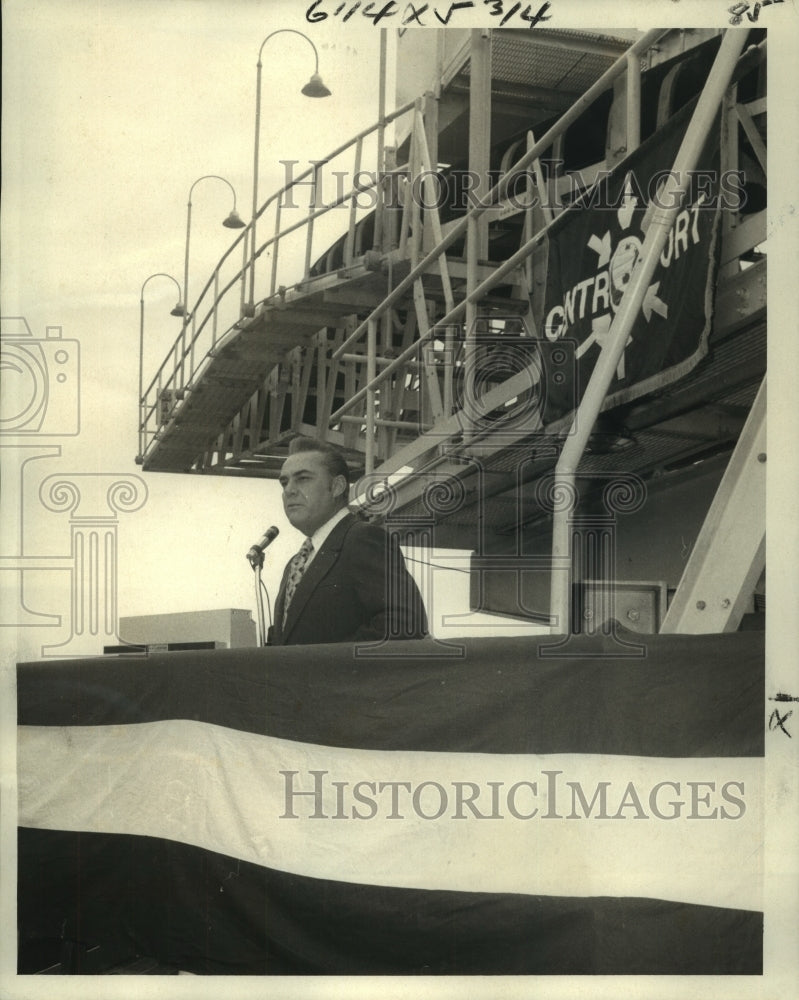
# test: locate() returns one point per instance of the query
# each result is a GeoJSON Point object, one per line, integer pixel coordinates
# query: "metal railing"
{"type": "Point", "coordinates": [218, 309]}
{"type": "Point", "coordinates": [493, 198]}
{"type": "Point", "coordinates": [184, 364]}
{"type": "Point", "coordinates": [660, 222]}
{"type": "Point", "coordinates": [628, 63]}
{"type": "Point", "coordinates": [727, 66]}
{"type": "Point", "coordinates": [360, 347]}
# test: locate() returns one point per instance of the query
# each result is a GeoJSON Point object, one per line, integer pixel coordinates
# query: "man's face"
{"type": "Point", "coordinates": [311, 495]}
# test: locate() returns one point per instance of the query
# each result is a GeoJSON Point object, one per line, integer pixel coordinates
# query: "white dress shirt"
{"type": "Point", "coordinates": [319, 537]}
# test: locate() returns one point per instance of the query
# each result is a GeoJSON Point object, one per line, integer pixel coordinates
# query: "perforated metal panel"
{"type": "Point", "coordinates": [573, 64]}
{"type": "Point", "coordinates": [516, 60]}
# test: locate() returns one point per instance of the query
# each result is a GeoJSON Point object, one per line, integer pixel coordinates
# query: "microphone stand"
{"type": "Point", "coordinates": [255, 557]}
{"type": "Point", "coordinates": [257, 563]}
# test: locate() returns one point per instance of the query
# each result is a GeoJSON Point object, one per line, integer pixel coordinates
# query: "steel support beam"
{"type": "Point", "coordinates": [657, 224]}
{"type": "Point", "coordinates": [730, 551]}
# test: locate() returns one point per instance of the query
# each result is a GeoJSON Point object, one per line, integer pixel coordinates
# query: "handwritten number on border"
{"type": "Point", "coordinates": [411, 13]}
{"type": "Point", "coordinates": [739, 9]}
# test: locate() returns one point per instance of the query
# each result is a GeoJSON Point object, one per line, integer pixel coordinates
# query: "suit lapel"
{"type": "Point", "coordinates": [320, 566]}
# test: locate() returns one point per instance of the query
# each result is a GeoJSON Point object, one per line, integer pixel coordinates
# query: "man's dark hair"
{"type": "Point", "coordinates": [335, 463]}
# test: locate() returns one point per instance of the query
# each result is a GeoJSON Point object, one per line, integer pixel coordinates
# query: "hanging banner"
{"type": "Point", "coordinates": [294, 810]}
{"type": "Point", "coordinates": [595, 247]}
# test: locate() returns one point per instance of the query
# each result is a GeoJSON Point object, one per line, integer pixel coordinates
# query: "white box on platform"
{"type": "Point", "coordinates": [232, 628]}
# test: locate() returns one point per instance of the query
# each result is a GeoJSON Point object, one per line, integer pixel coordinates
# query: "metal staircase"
{"type": "Point", "coordinates": [377, 346]}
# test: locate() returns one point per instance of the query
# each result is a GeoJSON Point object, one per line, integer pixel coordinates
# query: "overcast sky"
{"type": "Point", "coordinates": [117, 108]}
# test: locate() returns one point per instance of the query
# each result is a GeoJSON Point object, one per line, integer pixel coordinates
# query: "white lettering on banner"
{"type": "Point", "coordinates": [600, 294]}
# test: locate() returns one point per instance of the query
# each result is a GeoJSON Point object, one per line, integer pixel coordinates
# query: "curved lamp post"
{"type": "Point", "coordinates": [313, 88]}
{"type": "Point", "coordinates": [233, 221]}
{"type": "Point", "coordinates": [179, 309]}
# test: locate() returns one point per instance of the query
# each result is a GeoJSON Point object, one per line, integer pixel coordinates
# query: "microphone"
{"type": "Point", "coordinates": [255, 554]}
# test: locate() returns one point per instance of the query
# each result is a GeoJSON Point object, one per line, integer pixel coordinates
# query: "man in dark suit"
{"type": "Point", "coordinates": [346, 584]}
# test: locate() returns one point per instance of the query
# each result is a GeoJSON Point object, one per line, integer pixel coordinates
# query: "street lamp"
{"type": "Point", "coordinates": [179, 309]}
{"type": "Point", "coordinates": [313, 88]}
{"type": "Point", "coordinates": [233, 221]}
